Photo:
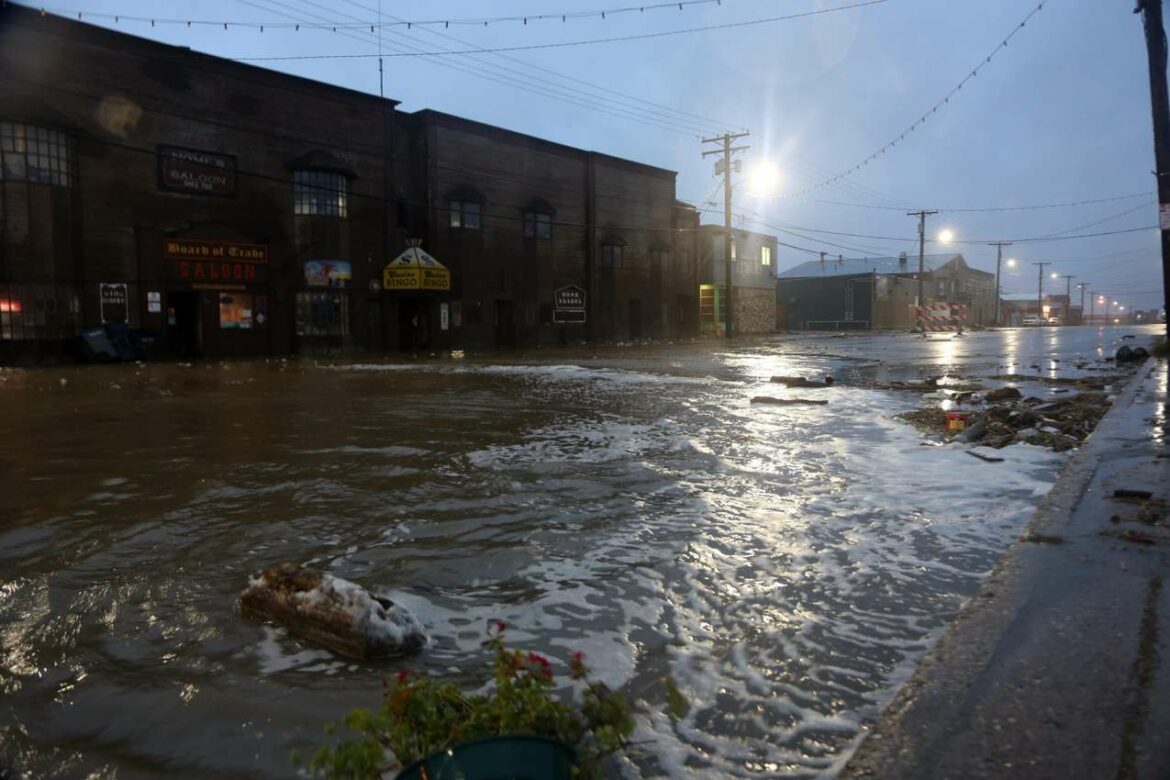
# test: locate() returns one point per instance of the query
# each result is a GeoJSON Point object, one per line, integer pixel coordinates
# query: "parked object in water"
{"type": "Point", "coordinates": [767, 399]}
{"type": "Point", "coordinates": [332, 612]}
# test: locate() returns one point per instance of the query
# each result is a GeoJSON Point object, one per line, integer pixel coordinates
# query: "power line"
{"type": "Point", "coordinates": [705, 124]}
{"type": "Point", "coordinates": [1037, 207]}
{"type": "Point", "coordinates": [564, 44]}
{"type": "Point", "coordinates": [482, 21]}
{"type": "Point", "coordinates": [922, 119]}
{"type": "Point", "coordinates": [557, 93]}
{"type": "Point", "coordinates": [1037, 239]}
{"type": "Point", "coordinates": [1098, 222]}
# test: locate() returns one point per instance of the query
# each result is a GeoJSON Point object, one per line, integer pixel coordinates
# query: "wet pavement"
{"type": "Point", "coordinates": [786, 566]}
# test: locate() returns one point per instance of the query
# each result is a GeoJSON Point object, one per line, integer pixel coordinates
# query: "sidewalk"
{"type": "Point", "coordinates": [1059, 667]}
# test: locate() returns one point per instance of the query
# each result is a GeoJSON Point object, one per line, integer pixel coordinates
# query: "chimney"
{"type": "Point", "coordinates": [902, 261]}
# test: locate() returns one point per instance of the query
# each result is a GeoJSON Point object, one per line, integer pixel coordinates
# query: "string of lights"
{"type": "Point", "coordinates": [565, 44]}
{"type": "Point", "coordinates": [922, 119]}
{"type": "Point", "coordinates": [480, 21]}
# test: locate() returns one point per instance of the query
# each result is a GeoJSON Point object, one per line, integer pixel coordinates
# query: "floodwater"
{"type": "Point", "coordinates": [786, 567]}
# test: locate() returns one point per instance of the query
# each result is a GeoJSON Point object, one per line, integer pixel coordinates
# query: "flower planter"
{"type": "Point", "coordinates": [497, 758]}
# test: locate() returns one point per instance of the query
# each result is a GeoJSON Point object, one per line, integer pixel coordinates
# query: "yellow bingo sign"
{"type": "Point", "coordinates": [414, 269]}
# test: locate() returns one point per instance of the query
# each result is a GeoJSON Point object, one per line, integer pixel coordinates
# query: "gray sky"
{"type": "Point", "coordinates": [1062, 114]}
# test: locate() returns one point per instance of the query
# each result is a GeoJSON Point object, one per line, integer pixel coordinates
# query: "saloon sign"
{"type": "Point", "coordinates": [196, 260]}
{"type": "Point", "coordinates": [196, 172]}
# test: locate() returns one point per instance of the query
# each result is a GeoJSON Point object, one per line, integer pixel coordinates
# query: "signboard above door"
{"type": "Point", "coordinates": [196, 172]}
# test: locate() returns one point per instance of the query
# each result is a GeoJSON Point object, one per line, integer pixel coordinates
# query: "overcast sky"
{"type": "Point", "coordinates": [1062, 114]}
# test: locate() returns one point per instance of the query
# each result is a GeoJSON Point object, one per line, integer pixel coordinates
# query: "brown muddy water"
{"type": "Point", "coordinates": [785, 566]}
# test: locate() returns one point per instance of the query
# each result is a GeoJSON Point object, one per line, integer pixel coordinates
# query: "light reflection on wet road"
{"type": "Point", "coordinates": [787, 566]}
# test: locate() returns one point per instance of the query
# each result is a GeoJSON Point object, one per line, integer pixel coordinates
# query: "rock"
{"type": "Point", "coordinates": [1127, 354]}
{"type": "Point", "coordinates": [332, 612]}
{"type": "Point", "coordinates": [975, 431]}
{"type": "Point", "coordinates": [1004, 394]}
{"type": "Point", "coordinates": [799, 381]}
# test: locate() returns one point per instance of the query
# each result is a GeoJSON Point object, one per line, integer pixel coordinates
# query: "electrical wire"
{"type": "Point", "coordinates": [587, 42]}
{"type": "Point", "coordinates": [987, 209]}
{"type": "Point", "coordinates": [483, 21]}
{"type": "Point", "coordinates": [922, 119]}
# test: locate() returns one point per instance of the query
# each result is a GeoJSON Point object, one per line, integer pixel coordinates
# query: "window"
{"type": "Point", "coordinates": [29, 312]}
{"type": "Point", "coordinates": [537, 225]}
{"type": "Point", "coordinates": [611, 255]}
{"type": "Point", "coordinates": [659, 262]}
{"type": "Point", "coordinates": [465, 214]}
{"type": "Point", "coordinates": [322, 314]}
{"type": "Point", "coordinates": [766, 256]}
{"type": "Point", "coordinates": [242, 311]}
{"type": "Point", "coordinates": [684, 262]}
{"type": "Point", "coordinates": [35, 155]}
{"type": "Point", "coordinates": [320, 194]}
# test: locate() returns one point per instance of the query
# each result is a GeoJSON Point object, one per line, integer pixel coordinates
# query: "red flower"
{"type": "Point", "coordinates": [577, 668]}
{"type": "Point", "coordinates": [498, 625]}
{"type": "Point", "coordinates": [537, 658]}
{"type": "Point", "coordinates": [403, 675]}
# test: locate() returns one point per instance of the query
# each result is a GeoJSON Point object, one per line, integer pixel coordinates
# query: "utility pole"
{"type": "Point", "coordinates": [1067, 296]}
{"type": "Point", "coordinates": [1040, 291]}
{"type": "Point", "coordinates": [999, 245]}
{"type": "Point", "coordinates": [725, 164]}
{"type": "Point", "coordinates": [1092, 306]}
{"type": "Point", "coordinates": [922, 215]}
{"type": "Point", "coordinates": [1082, 286]}
{"type": "Point", "coordinates": [1151, 11]}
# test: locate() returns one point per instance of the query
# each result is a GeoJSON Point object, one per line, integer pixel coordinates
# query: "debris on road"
{"type": "Point", "coordinates": [800, 381]}
{"type": "Point", "coordinates": [767, 399]}
{"type": "Point", "coordinates": [1128, 354]}
{"type": "Point", "coordinates": [335, 613]}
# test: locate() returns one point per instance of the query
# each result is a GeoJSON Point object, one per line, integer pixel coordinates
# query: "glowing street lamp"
{"type": "Point", "coordinates": [946, 236]}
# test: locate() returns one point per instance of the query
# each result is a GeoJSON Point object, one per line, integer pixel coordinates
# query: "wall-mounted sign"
{"type": "Point", "coordinates": [414, 269]}
{"type": "Point", "coordinates": [115, 302]}
{"type": "Point", "coordinates": [1164, 216]}
{"type": "Point", "coordinates": [444, 316]}
{"type": "Point", "coordinates": [198, 249]}
{"type": "Point", "coordinates": [327, 273]}
{"type": "Point", "coordinates": [196, 172]}
{"type": "Point", "coordinates": [569, 304]}
{"type": "Point", "coordinates": [569, 297]}
{"type": "Point", "coordinates": [202, 271]}
{"type": "Point", "coordinates": [154, 302]}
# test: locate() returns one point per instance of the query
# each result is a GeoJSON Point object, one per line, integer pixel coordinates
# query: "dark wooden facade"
{"type": "Point", "coordinates": [249, 212]}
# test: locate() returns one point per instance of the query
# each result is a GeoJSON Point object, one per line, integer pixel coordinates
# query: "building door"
{"type": "Point", "coordinates": [184, 324]}
{"type": "Point", "coordinates": [505, 324]}
{"type": "Point", "coordinates": [413, 325]}
{"type": "Point", "coordinates": [635, 318]}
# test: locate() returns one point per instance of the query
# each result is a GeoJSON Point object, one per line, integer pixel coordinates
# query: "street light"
{"type": "Point", "coordinates": [946, 236]}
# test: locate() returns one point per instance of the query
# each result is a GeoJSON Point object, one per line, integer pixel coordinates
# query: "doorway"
{"type": "Point", "coordinates": [635, 318]}
{"type": "Point", "coordinates": [413, 325]}
{"type": "Point", "coordinates": [505, 324]}
{"type": "Point", "coordinates": [184, 329]}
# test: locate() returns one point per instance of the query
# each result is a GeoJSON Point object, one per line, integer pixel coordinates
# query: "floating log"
{"type": "Point", "coordinates": [799, 381]}
{"type": "Point", "coordinates": [332, 612]}
{"type": "Point", "coordinates": [767, 399]}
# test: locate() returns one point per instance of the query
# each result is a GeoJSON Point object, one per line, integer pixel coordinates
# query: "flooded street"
{"type": "Point", "coordinates": [785, 566]}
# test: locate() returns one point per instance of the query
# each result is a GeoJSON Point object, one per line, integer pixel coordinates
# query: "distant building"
{"type": "Point", "coordinates": [753, 281]}
{"type": "Point", "coordinates": [879, 292]}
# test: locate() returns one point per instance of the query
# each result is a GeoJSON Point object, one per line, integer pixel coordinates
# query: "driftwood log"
{"type": "Point", "coordinates": [767, 399]}
{"type": "Point", "coordinates": [332, 612]}
{"type": "Point", "coordinates": [800, 381]}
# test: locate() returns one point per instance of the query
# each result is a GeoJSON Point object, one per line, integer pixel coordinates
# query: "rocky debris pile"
{"type": "Point", "coordinates": [1007, 418]}
{"type": "Point", "coordinates": [332, 612]}
{"type": "Point", "coordinates": [1103, 382]}
{"type": "Point", "coordinates": [931, 384]}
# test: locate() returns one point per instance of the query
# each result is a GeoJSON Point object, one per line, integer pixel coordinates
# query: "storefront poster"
{"type": "Point", "coordinates": [444, 316]}
{"type": "Point", "coordinates": [328, 273]}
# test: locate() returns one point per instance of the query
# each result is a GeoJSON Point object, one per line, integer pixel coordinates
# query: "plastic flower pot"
{"type": "Point", "coordinates": [497, 758]}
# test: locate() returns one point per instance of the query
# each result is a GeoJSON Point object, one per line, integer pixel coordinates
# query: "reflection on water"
{"type": "Point", "coordinates": [786, 566]}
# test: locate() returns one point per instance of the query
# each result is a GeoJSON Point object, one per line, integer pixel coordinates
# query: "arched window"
{"type": "Point", "coordinates": [320, 194]}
